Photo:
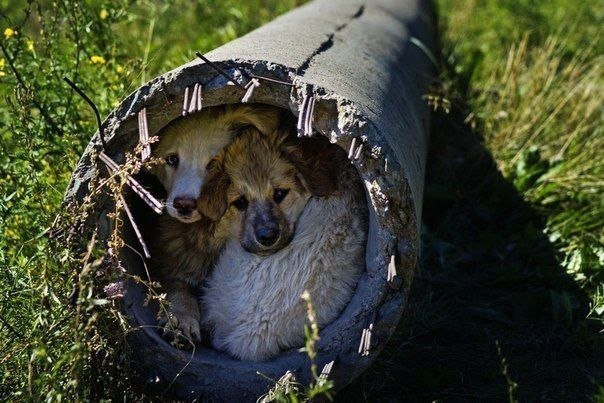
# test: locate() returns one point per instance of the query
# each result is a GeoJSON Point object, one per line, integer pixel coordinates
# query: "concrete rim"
{"type": "Point", "coordinates": [393, 232]}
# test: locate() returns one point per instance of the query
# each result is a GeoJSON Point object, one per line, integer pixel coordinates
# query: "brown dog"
{"type": "Point", "coordinates": [262, 194]}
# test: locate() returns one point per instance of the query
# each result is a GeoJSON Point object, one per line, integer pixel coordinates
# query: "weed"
{"type": "Point", "coordinates": [287, 389]}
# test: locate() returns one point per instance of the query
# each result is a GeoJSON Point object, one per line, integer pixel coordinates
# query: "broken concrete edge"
{"type": "Point", "coordinates": [393, 230]}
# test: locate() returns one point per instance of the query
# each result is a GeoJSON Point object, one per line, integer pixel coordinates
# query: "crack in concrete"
{"type": "Point", "coordinates": [328, 43]}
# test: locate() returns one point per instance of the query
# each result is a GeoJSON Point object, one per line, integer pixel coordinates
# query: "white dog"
{"type": "Point", "coordinates": [252, 298]}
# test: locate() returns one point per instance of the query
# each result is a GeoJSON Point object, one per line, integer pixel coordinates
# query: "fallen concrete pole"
{"type": "Point", "coordinates": [354, 71]}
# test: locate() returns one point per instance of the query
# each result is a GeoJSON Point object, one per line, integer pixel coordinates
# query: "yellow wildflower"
{"type": "Point", "coordinates": [30, 45]}
{"type": "Point", "coordinates": [119, 69]}
{"type": "Point", "coordinates": [103, 14]}
{"type": "Point", "coordinates": [2, 63]}
{"type": "Point", "coordinates": [2, 74]}
{"type": "Point", "coordinates": [96, 59]}
{"type": "Point", "coordinates": [8, 32]}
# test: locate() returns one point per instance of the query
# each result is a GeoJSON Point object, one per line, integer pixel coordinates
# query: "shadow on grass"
{"type": "Point", "coordinates": [488, 277]}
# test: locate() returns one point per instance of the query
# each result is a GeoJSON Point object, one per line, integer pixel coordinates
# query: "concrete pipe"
{"type": "Point", "coordinates": [360, 68]}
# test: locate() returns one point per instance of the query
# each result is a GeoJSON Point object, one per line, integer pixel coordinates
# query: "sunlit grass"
{"type": "Point", "coordinates": [532, 75]}
{"type": "Point", "coordinates": [542, 117]}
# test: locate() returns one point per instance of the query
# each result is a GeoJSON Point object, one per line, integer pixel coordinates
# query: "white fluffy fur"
{"type": "Point", "coordinates": [253, 303]}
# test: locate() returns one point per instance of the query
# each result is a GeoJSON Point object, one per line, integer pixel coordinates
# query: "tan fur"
{"type": "Point", "coordinates": [252, 301]}
{"type": "Point", "coordinates": [254, 166]}
{"type": "Point", "coordinates": [182, 256]}
{"type": "Point", "coordinates": [195, 140]}
{"type": "Point", "coordinates": [187, 245]}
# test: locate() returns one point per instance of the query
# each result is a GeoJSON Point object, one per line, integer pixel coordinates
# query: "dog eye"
{"type": "Point", "coordinates": [241, 203]}
{"type": "Point", "coordinates": [172, 160]}
{"type": "Point", "coordinates": [279, 195]}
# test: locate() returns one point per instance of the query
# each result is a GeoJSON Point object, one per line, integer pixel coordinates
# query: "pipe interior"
{"type": "Point", "coordinates": [135, 264]}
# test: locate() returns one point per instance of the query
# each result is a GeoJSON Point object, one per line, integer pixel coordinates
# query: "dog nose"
{"type": "Point", "coordinates": [267, 236]}
{"type": "Point", "coordinates": [184, 205]}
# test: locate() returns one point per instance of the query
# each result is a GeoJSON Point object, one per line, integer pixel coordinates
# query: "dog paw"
{"type": "Point", "coordinates": [181, 329]}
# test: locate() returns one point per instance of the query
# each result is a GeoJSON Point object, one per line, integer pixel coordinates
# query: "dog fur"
{"type": "Point", "coordinates": [187, 244]}
{"type": "Point", "coordinates": [193, 141]}
{"type": "Point", "coordinates": [252, 299]}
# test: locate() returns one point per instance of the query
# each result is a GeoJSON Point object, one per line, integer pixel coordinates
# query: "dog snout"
{"type": "Point", "coordinates": [267, 236]}
{"type": "Point", "coordinates": [185, 205]}
{"type": "Point", "coordinates": [265, 224]}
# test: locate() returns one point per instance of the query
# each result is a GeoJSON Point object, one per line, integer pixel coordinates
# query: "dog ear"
{"type": "Point", "coordinates": [213, 202]}
{"type": "Point", "coordinates": [316, 160]}
{"type": "Point", "coordinates": [265, 118]}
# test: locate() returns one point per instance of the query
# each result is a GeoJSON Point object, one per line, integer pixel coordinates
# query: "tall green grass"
{"type": "Point", "coordinates": [542, 116]}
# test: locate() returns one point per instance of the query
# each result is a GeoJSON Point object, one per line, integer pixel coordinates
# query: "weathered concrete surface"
{"type": "Point", "coordinates": [364, 64]}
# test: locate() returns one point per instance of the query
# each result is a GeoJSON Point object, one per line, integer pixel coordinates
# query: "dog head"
{"type": "Point", "coordinates": [261, 184]}
{"type": "Point", "coordinates": [187, 145]}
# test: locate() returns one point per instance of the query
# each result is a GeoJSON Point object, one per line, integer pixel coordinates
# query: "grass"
{"type": "Point", "coordinates": [508, 301]}
{"type": "Point", "coordinates": [532, 83]}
